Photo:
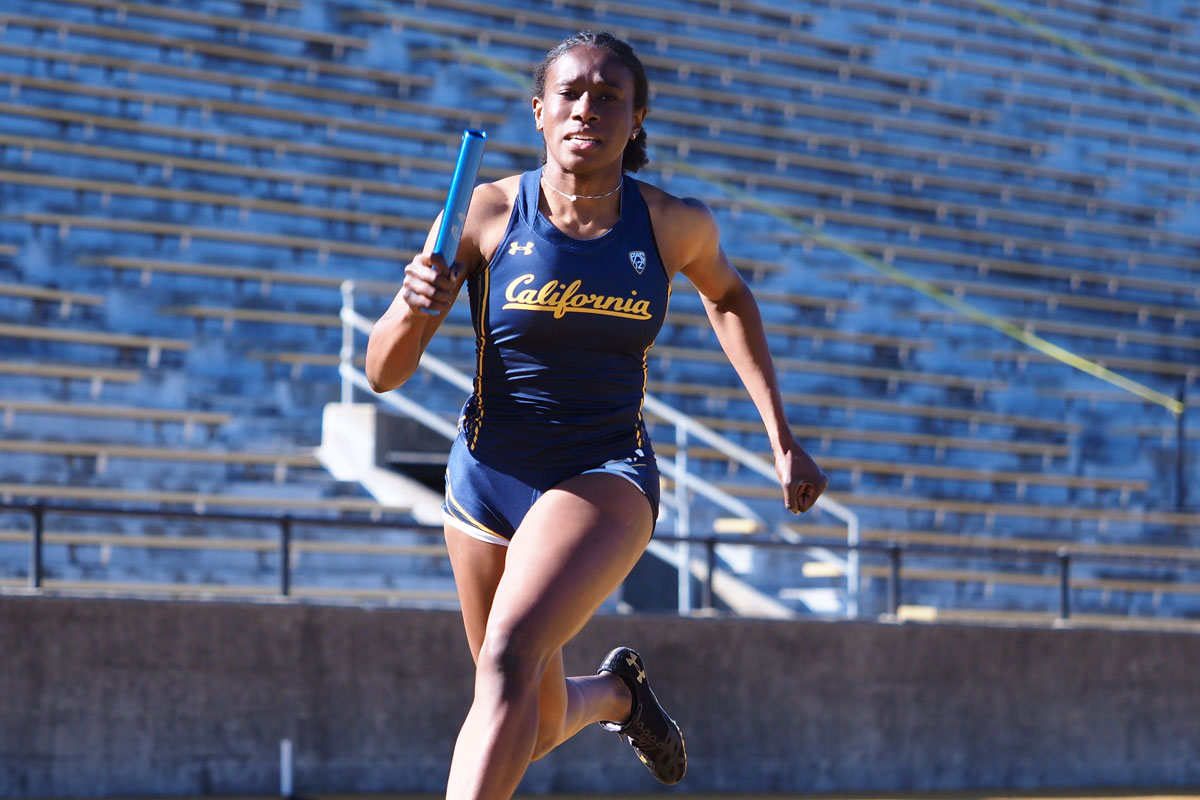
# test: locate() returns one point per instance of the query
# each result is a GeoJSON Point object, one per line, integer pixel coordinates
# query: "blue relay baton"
{"type": "Point", "coordinates": [458, 198]}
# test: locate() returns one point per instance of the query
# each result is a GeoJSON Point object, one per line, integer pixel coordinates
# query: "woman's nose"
{"type": "Point", "coordinates": [583, 109]}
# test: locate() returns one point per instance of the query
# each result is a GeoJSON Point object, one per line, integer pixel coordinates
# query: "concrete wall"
{"type": "Point", "coordinates": [106, 697]}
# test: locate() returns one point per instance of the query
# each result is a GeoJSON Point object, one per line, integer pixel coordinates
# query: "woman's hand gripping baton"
{"type": "Point", "coordinates": [458, 198]}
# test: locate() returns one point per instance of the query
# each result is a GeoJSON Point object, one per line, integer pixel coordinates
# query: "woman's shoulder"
{"type": "Point", "coordinates": [496, 197]}
{"type": "Point", "coordinates": [492, 203]}
{"type": "Point", "coordinates": [676, 211]}
{"type": "Point", "coordinates": [681, 224]}
{"type": "Point", "coordinates": [491, 207]}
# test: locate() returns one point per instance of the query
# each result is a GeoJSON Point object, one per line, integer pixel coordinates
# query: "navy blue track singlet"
{"type": "Point", "coordinates": [562, 330]}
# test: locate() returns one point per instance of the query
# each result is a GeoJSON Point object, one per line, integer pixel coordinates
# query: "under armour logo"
{"type": "Point", "coordinates": [638, 259]}
{"type": "Point", "coordinates": [633, 662]}
{"type": "Point", "coordinates": [525, 249]}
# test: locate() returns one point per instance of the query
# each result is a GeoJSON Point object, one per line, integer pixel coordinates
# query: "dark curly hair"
{"type": "Point", "coordinates": [635, 152]}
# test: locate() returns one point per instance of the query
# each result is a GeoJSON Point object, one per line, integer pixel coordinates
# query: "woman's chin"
{"type": "Point", "coordinates": [591, 156]}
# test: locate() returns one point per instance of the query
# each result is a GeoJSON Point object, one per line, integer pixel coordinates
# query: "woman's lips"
{"type": "Point", "coordinates": [582, 142]}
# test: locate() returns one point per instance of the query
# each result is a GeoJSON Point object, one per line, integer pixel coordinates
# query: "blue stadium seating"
{"type": "Point", "coordinates": [209, 172]}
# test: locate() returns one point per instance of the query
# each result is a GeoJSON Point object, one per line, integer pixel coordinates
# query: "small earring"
{"type": "Point", "coordinates": [634, 135]}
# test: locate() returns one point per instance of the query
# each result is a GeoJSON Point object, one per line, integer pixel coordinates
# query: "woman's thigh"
{"type": "Point", "coordinates": [573, 548]}
{"type": "Point", "coordinates": [477, 569]}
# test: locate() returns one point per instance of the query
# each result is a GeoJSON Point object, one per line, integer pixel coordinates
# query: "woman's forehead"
{"type": "Point", "coordinates": [591, 64]}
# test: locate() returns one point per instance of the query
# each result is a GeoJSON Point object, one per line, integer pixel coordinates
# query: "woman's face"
{"type": "Point", "coordinates": [586, 114]}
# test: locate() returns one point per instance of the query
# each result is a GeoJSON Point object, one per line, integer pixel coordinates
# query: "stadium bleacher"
{"type": "Point", "coordinates": [185, 188]}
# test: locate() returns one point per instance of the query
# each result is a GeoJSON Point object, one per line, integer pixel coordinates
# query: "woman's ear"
{"type": "Point", "coordinates": [537, 112]}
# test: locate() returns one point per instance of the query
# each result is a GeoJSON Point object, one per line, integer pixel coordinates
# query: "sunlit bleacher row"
{"type": "Point", "coordinates": [185, 187]}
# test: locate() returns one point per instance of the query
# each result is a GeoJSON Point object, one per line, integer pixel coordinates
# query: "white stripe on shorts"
{"type": "Point", "coordinates": [472, 531]}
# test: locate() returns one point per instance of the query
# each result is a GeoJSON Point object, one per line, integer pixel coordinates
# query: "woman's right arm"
{"type": "Point", "coordinates": [429, 290]}
{"type": "Point", "coordinates": [401, 335]}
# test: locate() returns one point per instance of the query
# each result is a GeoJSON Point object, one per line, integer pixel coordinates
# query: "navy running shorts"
{"type": "Point", "coordinates": [488, 504]}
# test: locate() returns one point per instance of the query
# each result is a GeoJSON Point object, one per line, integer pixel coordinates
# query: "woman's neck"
{"type": "Point", "coordinates": [583, 208]}
{"type": "Point", "coordinates": [579, 188]}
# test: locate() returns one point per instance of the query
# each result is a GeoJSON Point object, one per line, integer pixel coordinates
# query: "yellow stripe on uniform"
{"type": "Point", "coordinates": [646, 374]}
{"type": "Point", "coordinates": [467, 517]}
{"type": "Point", "coordinates": [480, 343]}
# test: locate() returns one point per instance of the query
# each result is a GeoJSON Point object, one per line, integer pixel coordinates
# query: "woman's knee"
{"type": "Point", "coordinates": [514, 668]}
{"type": "Point", "coordinates": [513, 659]}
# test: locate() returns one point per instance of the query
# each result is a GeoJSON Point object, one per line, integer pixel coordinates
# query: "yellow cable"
{"type": "Point", "coordinates": [1002, 325]}
{"type": "Point", "coordinates": [1131, 75]}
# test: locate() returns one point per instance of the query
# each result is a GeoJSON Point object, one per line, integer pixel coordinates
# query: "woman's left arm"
{"type": "Point", "coordinates": [735, 318]}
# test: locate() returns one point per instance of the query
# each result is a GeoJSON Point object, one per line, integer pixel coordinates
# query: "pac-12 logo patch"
{"type": "Point", "coordinates": [638, 259]}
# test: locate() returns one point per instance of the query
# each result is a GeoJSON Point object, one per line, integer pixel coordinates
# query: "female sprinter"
{"type": "Point", "coordinates": [551, 486]}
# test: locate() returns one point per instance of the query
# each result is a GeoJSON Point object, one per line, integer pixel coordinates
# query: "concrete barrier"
{"type": "Point", "coordinates": [125, 697]}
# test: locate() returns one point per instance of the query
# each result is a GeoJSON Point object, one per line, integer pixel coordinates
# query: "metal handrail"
{"type": "Point", "coordinates": [285, 523]}
{"type": "Point", "coordinates": [676, 469]}
{"type": "Point", "coordinates": [690, 427]}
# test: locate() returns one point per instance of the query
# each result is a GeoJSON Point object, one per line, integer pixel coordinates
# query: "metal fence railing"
{"type": "Point", "coordinates": [282, 542]}
{"type": "Point", "coordinates": [894, 557]}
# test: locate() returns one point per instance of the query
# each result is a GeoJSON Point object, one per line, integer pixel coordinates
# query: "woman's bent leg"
{"type": "Point", "coordinates": [573, 548]}
{"type": "Point", "coordinates": [565, 705]}
{"type": "Point", "coordinates": [568, 705]}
